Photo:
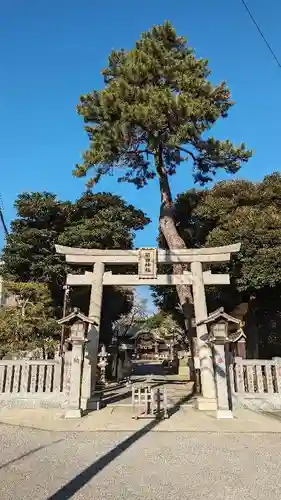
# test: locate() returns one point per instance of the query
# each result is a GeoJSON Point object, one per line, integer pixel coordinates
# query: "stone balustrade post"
{"type": "Point", "coordinates": [222, 386]}
{"type": "Point", "coordinates": [277, 361]}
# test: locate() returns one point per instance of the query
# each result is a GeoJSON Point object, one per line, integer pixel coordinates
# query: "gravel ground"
{"type": "Point", "coordinates": [56, 466]}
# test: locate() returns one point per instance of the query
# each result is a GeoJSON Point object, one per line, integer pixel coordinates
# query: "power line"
{"type": "Point", "coordinates": [2, 216]}
{"type": "Point", "coordinates": [261, 33]}
{"type": "Point", "coordinates": [3, 222]}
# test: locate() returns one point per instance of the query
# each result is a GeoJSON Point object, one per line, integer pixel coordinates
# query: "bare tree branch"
{"type": "Point", "coordinates": [189, 153]}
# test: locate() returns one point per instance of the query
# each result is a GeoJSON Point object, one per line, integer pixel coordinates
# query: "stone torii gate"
{"type": "Point", "coordinates": [147, 260]}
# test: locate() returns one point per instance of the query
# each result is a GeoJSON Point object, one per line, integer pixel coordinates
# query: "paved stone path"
{"type": "Point", "coordinates": [57, 466]}
{"type": "Point", "coordinates": [178, 390]}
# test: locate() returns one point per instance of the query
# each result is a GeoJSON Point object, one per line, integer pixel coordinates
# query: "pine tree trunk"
{"type": "Point", "coordinates": [168, 228]}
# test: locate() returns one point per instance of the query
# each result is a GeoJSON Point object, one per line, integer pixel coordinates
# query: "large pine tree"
{"type": "Point", "coordinates": [154, 113]}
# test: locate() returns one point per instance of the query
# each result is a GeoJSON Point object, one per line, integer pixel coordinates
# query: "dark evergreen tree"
{"type": "Point", "coordinates": [98, 220]}
{"type": "Point", "coordinates": [231, 212]}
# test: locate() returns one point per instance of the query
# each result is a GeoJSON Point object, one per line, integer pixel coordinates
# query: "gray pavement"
{"type": "Point", "coordinates": [119, 419]}
{"type": "Point", "coordinates": [138, 465]}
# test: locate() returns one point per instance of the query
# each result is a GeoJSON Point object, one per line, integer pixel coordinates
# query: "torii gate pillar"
{"type": "Point", "coordinates": [208, 401]}
{"type": "Point", "coordinates": [92, 348]}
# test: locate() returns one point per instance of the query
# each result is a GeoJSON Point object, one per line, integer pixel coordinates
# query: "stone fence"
{"type": "Point", "coordinates": [256, 383]}
{"type": "Point", "coordinates": [57, 383]}
{"type": "Point", "coordinates": [66, 382]}
{"type": "Point", "coordinates": [35, 383]}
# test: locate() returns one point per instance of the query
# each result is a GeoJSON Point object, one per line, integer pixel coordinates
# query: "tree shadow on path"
{"type": "Point", "coordinates": [74, 485]}
{"type": "Point", "coordinates": [28, 453]}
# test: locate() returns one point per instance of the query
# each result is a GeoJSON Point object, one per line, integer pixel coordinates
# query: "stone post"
{"type": "Point", "coordinates": [241, 348]}
{"type": "Point", "coordinates": [223, 410]}
{"type": "Point", "coordinates": [77, 338]}
{"type": "Point", "coordinates": [208, 399]}
{"type": "Point", "coordinates": [277, 362]}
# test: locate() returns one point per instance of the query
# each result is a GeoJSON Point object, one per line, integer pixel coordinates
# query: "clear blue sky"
{"type": "Point", "coordinates": [53, 51]}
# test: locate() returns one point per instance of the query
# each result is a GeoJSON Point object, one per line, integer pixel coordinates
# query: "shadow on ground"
{"type": "Point", "coordinates": [142, 370]}
{"type": "Point", "coordinates": [74, 485]}
{"type": "Point", "coordinates": [146, 369]}
{"type": "Point", "coordinates": [28, 453]}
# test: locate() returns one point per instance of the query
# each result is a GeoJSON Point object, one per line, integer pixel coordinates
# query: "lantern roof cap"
{"type": "Point", "coordinates": [238, 335]}
{"type": "Point", "coordinates": [74, 316]}
{"type": "Point", "coordinates": [217, 315]}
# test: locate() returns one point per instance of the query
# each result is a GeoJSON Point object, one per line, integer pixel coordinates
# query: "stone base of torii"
{"type": "Point", "coordinates": [147, 259]}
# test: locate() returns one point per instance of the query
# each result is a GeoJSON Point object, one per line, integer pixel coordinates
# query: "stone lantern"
{"type": "Point", "coordinates": [218, 336]}
{"type": "Point", "coordinates": [78, 324]}
{"type": "Point", "coordinates": [102, 364]}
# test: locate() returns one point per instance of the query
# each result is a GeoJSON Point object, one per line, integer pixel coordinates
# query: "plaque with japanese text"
{"type": "Point", "coordinates": [147, 263]}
